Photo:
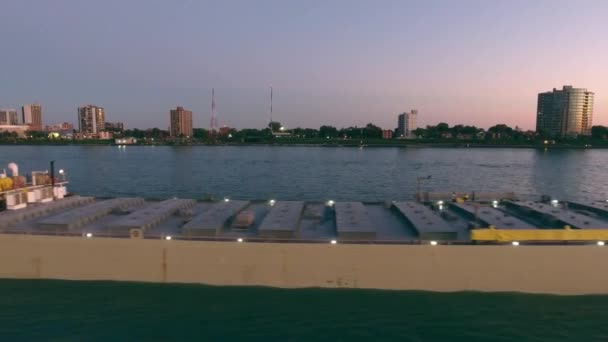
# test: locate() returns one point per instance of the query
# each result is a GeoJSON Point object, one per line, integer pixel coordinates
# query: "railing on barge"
{"type": "Point", "coordinates": [479, 237]}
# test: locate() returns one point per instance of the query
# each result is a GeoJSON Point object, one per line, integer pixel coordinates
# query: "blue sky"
{"type": "Point", "coordinates": [330, 62]}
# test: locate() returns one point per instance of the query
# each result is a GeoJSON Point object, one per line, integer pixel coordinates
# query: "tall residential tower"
{"type": "Point", "coordinates": [566, 112]}
{"type": "Point", "coordinates": [32, 115]}
{"type": "Point", "coordinates": [91, 119]}
{"type": "Point", "coordinates": [407, 122]}
{"type": "Point", "coordinates": [9, 117]}
{"type": "Point", "coordinates": [181, 122]}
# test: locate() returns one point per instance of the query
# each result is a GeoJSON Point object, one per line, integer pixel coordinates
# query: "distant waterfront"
{"type": "Point", "coordinates": [316, 173]}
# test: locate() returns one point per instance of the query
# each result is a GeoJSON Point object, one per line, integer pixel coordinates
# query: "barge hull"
{"type": "Point", "coordinates": [572, 270]}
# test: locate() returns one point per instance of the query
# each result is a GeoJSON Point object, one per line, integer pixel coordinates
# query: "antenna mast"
{"type": "Point", "coordinates": [270, 124]}
{"type": "Point", "coordinates": [213, 123]}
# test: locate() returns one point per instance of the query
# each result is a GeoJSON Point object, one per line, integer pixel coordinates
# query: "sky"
{"type": "Point", "coordinates": [342, 63]}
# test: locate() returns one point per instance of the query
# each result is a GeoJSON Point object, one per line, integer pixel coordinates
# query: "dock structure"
{"type": "Point", "coordinates": [491, 217]}
{"type": "Point", "coordinates": [352, 222]}
{"type": "Point", "coordinates": [283, 220]}
{"type": "Point", "coordinates": [10, 217]}
{"type": "Point", "coordinates": [212, 221]}
{"type": "Point", "coordinates": [81, 216]}
{"type": "Point", "coordinates": [428, 224]}
{"type": "Point", "coordinates": [564, 216]}
{"type": "Point", "coordinates": [150, 215]}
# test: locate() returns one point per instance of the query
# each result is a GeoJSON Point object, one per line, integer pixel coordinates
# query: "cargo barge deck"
{"type": "Point", "coordinates": [440, 220]}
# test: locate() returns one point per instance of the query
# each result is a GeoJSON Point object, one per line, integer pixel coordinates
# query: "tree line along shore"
{"type": "Point", "coordinates": [441, 135]}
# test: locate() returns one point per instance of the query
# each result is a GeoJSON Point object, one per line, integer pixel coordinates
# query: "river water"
{"type": "Point", "coordinates": [111, 311]}
{"type": "Point", "coordinates": [317, 173]}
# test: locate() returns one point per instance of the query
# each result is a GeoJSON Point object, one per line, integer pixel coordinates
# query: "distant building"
{"type": "Point", "coordinates": [19, 129]}
{"type": "Point", "coordinates": [66, 126]}
{"type": "Point", "coordinates": [9, 117]}
{"type": "Point", "coordinates": [224, 130]}
{"type": "Point", "coordinates": [181, 122]}
{"type": "Point", "coordinates": [32, 115]}
{"type": "Point", "coordinates": [566, 112]}
{"type": "Point", "coordinates": [387, 134]}
{"type": "Point", "coordinates": [104, 135]}
{"type": "Point", "coordinates": [406, 123]}
{"type": "Point", "coordinates": [125, 141]}
{"type": "Point", "coordinates": [91, 120]}
{"type": "Point", "coordinates": [115, 126]}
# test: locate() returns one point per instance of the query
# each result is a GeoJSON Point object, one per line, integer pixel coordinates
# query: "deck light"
{"type": "Point", "coordinates": [330, 203]}
{"type": "Point", "coordinates": [440, 202]}
{"type": "Point", "coordinates": [440, 207]}
{"type": "Point", "coordinates": [600, 243]}
{"type": "Point", "coordinates": [239, 240]}
{"type": "Point", "coordinates": [333, 242]}
{"type": "Point", "coordinates": [61, 171]}
{"type": "Point", "coordinates": [272, 202]}
{"type": "Point", "coordinates": [226, 199]}
{"type": "Point", "coordinates": [168, 237]}
{"type": "Point", "coordinates": [495, 204]}
{"type": "Point", "coordinates": [89, 235]}
{"type": "Point", "coordinates": [515, 243]}
{"type": "Point", "coordinates": [554, 202]}
{"type": "Point", "coordinates": [433, 243]}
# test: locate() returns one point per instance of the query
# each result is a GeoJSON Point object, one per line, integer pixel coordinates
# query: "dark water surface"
{"type": "Point", "coordinates": [317, 173]}
{"type": "Point", "coordinates": [110, 311]}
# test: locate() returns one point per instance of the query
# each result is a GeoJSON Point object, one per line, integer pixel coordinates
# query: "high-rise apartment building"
{"type": "Point", "coordinates": [181, 122]}
{"type": "Point", "coordinates": [9, 117]}
{"type": "Point", "coordinates": [91, 119]}
{"type": "Point", "coordinates": [406, 123]}
{"type": "Point", "coordinates": [565, 112]}
{"type": "Point", "coordinates": [32, 115]}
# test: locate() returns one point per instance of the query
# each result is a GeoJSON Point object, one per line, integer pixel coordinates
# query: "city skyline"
{"type": "Point", "coordinates": [342, 63]}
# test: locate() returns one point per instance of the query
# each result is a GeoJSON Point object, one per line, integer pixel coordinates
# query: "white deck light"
{"type": "Point", "coordinates": [239, 240]}
{"type": "Point", "coordinates": [89, 235]}
{"type": "Point", "coordinates": [433, 243]}
{"type": "Point", "coordinates": [168, 237]}
{"type": "Point", "coordinates": [330, 203]}
{"type": "Point", "coordinates": [272, 202]}
{"type": "Point", "coordinates": [600, 243]}
{"type": "Point", "coordinates": [333, 242]}
{"type": "Point", "coordinates": [515, 243]}
{"type": "Point", "coordinates": [226, 199]}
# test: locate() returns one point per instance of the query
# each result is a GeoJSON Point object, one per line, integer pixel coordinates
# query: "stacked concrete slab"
{"type": "Point", "coordinates": [212, 221]}
{"type": "Point", "coordinates": [282, 221]}
{"type": "Point", "coordinates": [352, 222]}
{"type": "Point", "coordinates": [491, 216]}
{"type": "Point", "coordinates": [429, 225]}
{"type": "Point", "coordinates": [567, 217]}
{"type": "Point", "coordinates": [150, 215]}
{"type": "Point", "coordinates": [79, 217]}
{"type": "Point", "coordinates": [10, 217]}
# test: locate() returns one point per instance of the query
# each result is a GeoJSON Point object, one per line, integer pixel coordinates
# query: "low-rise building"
{"type": "Point", "coordinates": [387, 134]}
{"type": "Point", "coordinates": [115, 126]}
{"type": "Point", "coordinates": [19, 129]}
{"type": "Point", "coordinates": [125, 141]}
{"type": "Point", "coordinates": [66, 126]}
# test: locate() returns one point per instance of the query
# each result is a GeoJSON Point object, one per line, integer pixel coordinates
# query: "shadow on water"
{"type": "Point", "coordinates": [73, 310]}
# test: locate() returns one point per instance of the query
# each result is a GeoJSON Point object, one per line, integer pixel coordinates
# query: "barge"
{"type": "Point", "coordinates": [441, 221]}
{"type": "Point", "coordinates": [438, 242]}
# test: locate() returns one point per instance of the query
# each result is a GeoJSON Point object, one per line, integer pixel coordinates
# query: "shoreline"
{"type": "Point", "coordinates": [364, 145]}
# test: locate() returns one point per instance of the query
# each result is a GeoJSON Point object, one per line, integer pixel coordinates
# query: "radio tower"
{"type": "Point", "coordinates": [213, 124]}
{"type": "Point", "coordinates": [270, 124]}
